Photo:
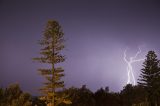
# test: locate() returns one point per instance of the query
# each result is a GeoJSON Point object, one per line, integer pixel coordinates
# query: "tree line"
{"type": "Point", "coordinates": [129, 96]}
{"type": "Point", "coordinates": [146, 93]}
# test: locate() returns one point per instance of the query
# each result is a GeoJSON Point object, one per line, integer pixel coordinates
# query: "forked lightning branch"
{"type": "Point", "coordinates": [130, 72]}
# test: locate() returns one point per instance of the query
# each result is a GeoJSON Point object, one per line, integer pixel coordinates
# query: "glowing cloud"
{"type": "Point", "coordinates": [131, 78]}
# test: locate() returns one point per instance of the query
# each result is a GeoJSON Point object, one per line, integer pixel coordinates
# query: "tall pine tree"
{"type": "Point", "coordinates": [52, 45]}
{"type": "Point", "coordinates": [150, 78]}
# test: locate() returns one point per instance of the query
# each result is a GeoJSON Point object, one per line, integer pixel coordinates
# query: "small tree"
{"type": "Point", "coordinates": [150, 78]}
{"type": "Point", "coordinates": [14, 96]}
{"type": "Point", "coordinates": [80, 96]}
{"type": "Point", "coordinates": [52, 44]}
{"type": "Point", "coordinates": [127, 95]}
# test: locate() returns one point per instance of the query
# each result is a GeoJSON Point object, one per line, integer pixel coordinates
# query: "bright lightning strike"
{"type": "Point", "coordinates": [131, 78]}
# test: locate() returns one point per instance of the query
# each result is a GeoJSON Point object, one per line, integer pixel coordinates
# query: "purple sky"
{"type": "Point", "coordinates": [97, 32]}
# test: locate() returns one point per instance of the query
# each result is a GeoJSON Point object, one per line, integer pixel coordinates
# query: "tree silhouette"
{"type": "Point", "coordinates": [150, 78]}
{"type": "Point", "coordinates": [52, 45]}
{"type": "Point", "coordinates": [14, 96]}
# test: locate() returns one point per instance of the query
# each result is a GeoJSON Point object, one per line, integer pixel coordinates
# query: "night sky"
{"type": "Point", "coordinates": [96, 31]}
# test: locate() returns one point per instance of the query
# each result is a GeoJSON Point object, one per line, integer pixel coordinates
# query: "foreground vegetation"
{"type": "Point", "coordinates": [129, 96]}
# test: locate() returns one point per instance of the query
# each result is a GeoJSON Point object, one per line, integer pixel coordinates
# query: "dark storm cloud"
{"type": "Point", "coordinates": [97, 33]}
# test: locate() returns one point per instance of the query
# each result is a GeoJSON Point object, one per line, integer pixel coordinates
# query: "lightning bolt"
{"type": "Point", "coordinates": [131, 78]}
